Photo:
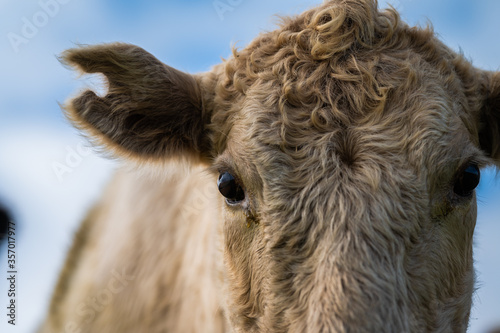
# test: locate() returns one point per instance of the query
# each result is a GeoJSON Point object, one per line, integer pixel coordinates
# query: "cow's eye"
{"type": "Point", "coordinates": [467, 181]}
{"type": "Point", "coordinates": [230, 189]}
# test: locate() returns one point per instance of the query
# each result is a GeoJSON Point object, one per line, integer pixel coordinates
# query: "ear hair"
{"type": "Point", "coordinates": [489, 134]}
{"type": "Point", "coordinates": [151, 110]}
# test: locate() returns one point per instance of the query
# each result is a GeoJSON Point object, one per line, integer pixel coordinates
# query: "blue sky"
{"type": "Point", "coordinates": [189, 35]}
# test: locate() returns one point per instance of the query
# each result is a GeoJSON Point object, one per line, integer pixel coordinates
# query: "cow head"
{"type": "Point", "coordinates": [346, 147]}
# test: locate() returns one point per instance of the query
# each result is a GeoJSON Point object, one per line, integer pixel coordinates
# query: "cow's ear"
{"type": "Point", "coordinates": [150, 111]}
{"type": "Point", "coordinates": [489, 124]}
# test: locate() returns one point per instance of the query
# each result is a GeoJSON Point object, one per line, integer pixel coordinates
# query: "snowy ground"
{"type": "Point", "coordinates": [49, 179]}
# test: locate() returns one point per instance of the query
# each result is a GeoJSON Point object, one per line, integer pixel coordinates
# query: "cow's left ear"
{"type": "Point", "coordinates": [489, 122]}
{"type": "Point", "coordinates": [150, 112]}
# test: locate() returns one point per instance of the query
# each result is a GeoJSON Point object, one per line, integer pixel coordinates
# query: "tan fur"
{"type": "Point", "coordinates": [346, 129]}
{"type": "Point", "coordinates": [133, 242]}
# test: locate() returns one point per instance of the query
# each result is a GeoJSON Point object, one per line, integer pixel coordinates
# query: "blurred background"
{"type": "Point", "coordinates": [49, 176]}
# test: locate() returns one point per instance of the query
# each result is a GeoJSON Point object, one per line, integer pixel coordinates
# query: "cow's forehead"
{"type": "Point", "coordinates": [427, 113]}
{"type": "Point", "coordinates": [405, 99]}
{"type": "Point", "coordinates": [424, 135]}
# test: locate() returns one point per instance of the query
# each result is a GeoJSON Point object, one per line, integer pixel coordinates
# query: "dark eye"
{"type": "Point", "coordinates": [230, 189]}
{"type": "Point", "coordinates": [467, 181]}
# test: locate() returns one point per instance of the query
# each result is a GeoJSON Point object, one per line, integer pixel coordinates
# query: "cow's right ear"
{"type": "Point", "coordinates": [489, 123]}
{"type": "Point", "coordinates": [150, 112]}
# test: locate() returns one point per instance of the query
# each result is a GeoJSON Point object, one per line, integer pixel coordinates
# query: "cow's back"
{"type": "Point", "coordinates": [144, 259]}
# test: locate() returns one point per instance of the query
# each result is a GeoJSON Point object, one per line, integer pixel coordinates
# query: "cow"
{"type": "Point", "coordinates": [5, 220]}
{"type": "Point", "coordinates": [321, 179]}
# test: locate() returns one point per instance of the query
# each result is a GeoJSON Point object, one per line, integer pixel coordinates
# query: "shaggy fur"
{"type": "Point", "coordinates": [346, 129]}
